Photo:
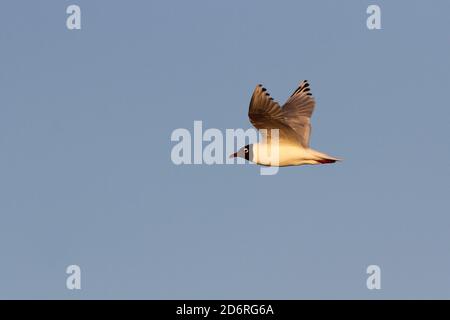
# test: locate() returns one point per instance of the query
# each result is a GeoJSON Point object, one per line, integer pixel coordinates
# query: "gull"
{"type": "Point", "coordinates": [293, 122]}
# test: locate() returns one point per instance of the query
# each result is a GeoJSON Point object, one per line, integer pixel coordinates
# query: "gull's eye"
{"type": "Point", "coordinates": [246, 150]}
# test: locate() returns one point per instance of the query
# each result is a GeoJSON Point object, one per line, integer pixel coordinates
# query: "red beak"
{"type": "Point", "coordinates": [233, 155]}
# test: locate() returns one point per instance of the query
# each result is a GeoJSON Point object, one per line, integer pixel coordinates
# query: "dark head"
{"type": "Point", "coordinates": [244, 152]}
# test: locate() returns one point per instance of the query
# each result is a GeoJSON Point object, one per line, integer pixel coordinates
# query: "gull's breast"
{"type": "Point", "coordinates": [281, 155]}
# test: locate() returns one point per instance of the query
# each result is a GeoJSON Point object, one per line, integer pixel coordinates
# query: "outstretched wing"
{"type": "Point", "coordinates": [297, 112]}
{"type": "Point", "coordinates": [265, 113]}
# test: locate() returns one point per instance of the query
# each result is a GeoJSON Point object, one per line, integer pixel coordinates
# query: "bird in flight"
{"type": "Point", "coordinates": [294, 130]}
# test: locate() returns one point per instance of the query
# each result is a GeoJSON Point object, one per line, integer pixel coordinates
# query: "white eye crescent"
{"type": "Point", "coordinates": [246, 150]}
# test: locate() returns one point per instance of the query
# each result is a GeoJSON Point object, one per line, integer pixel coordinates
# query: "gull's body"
{"type": "Point", "coordinates": [287, 155]}
{"type": "Point", "coordinates": [289, 144]}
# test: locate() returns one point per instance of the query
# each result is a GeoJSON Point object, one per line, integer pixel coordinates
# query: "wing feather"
{"type": "Point", "coordinates": [266, 113]}
{"type": "Point", "coordinates": [298, 110]}
{"type": "Point", "coordinates": [292, 120]}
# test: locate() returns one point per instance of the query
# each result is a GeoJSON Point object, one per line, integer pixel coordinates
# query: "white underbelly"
{"type": "Point", "coordinates": [283, 155]}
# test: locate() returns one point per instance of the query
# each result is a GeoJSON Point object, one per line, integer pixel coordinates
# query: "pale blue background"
{"type": "Point", "coordinates": [85, 170]}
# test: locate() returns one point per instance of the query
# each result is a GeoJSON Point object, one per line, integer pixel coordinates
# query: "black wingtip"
{"type": "Point", "coordinates": [303, 88]}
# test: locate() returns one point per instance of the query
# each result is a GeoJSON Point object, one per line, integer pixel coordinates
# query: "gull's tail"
{"type": "Point", "coordinates": [328, 160]}
{"type": "Point", "coordinates": [324, 158]}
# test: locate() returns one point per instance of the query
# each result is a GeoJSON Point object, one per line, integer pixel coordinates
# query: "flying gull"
{"type": "Point", "coordinates": [294, 130]}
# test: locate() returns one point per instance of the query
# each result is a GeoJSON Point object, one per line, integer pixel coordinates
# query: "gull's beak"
{"type": "Point", "coordinates": [233, 155]}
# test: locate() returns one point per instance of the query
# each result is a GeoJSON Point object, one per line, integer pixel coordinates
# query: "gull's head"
{"type": "Point", "coordinates": [245, 152]}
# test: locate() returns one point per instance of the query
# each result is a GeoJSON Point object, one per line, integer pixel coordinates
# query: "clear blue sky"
{"type": "Point", "coordinates": [85, 170]}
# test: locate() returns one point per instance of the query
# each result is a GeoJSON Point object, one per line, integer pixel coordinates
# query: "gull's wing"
{"type": "Point", "coordinates": [297, 112]}
{"type": "Point", "coordinates": [265, 113]}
